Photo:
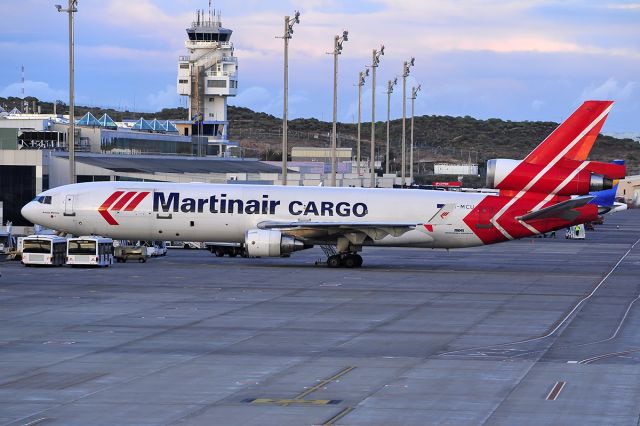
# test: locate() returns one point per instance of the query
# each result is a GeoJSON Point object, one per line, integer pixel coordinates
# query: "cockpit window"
{"type": "Point", "coordinates": [43, 199]}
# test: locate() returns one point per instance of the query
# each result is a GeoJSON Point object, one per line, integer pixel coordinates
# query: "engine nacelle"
{"type": "Point", "coordinates": [500, 176]}
{"type": "Point", "coordinates": [270, 243]}
{"type": "Point", "coordinates": [498, 169]}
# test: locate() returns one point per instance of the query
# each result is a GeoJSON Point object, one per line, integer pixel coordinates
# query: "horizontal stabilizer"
{"type": "Point", "coordinates": [564, 210]}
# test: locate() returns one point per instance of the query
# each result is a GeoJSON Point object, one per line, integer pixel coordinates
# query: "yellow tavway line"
{"type": "Point", "coordinates": [338, 416]}
{"type": "Point", "coordinates": [324, 382]}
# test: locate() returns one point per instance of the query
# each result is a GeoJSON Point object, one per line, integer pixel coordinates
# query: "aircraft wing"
{"type": "Point", "coordinates": [314, 229]}
{"type": "Point", "coordinates": [564, 210]}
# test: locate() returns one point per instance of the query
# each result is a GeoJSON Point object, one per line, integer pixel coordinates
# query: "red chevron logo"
{"type": "Point", "coordinates": [117, 202]}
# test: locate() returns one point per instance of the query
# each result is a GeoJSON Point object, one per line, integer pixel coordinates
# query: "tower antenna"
{"type": "Point", "coordinates": [22, 81]}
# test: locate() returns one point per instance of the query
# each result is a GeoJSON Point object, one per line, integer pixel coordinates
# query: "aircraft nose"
{"type": "Point", "coordinates": [29, 211]}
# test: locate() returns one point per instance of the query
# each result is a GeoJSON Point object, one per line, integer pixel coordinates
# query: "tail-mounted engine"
{"type": "Point", "coordinates": [559, 179]}
{"type": "Point", "coordinates": [270, 243]}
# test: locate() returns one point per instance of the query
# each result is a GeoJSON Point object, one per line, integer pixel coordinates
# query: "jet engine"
{"type": "Point", "coordinates": [560, 180]}
{"type": "Point", "coordinates": [270, 243]}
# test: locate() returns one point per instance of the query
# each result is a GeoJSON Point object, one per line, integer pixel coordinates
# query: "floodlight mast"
{"type": "Point", "coordinates": [361, 79]}
{"type": "Point", "coordinates": [71, 139]}
{"type": "Point", "coordinates": [288, 31]}
{"type": "Point", "coordinates": [337, 50]}
{"type": "Point", "coordinates": [390, 85]}
{"type": "Point", "coordinates": [375, 61]}
{"type": "Point", "coordinates": [405, 73]}
{"type": "Point", "coordinates": [414, 95]}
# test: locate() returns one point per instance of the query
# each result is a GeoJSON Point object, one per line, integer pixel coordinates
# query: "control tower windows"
{"type": "Point", "coordinates": [216, 83]}
{"type": "Point", "coordinates": [206, 36]}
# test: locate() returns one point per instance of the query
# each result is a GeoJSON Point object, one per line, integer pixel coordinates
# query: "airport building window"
{"type": "Point", "coordinates": [150, 143]}
{"type": "Point", "coordinates": [92, 178]}
{"type": "Point", "coordinates": [216, 83]}
{"type": "Point", "coordinates": [183, 81]}
{"type": "Point", "coordinates": [17, 188]}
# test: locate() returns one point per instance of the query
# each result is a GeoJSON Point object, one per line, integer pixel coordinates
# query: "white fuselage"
{"type": "Point", "coordinates": [208, 212]}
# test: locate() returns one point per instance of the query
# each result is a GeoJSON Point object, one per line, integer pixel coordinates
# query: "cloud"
{"type": "Point", "coordinates": [260, 99]}
{"type": "Point", "coordinates": [38, 89]}
{"type": "Point", "coordinates": [628, 6]}
{"type": "Point", "coordinates": [537, 105]}
{"type": "Point", "coordinates": [164, 98]}
{"type": "Point", "coordinates": [610, 90]}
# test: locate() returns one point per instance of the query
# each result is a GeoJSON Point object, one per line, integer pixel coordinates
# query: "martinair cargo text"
{"type": "Point", "coordinates": [534, 197]}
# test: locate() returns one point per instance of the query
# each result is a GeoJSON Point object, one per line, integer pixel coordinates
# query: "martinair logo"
{"type": "Point", "coordinates": [444, 214]}
{"type": "Point", "coordinates": [121, 201]}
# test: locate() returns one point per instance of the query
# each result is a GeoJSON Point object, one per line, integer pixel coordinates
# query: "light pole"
{"type": "Point", "coordinates": [71, 138]}
{"type": "Point", "coordinates": [337, 50]}
{"type": "Point", "coordinates": [375, 61]}
{"type": "Point", "coordinates": [288, 31]}
{"type": "Point", "coordinates": [390, 85]}
{"type": "Point", "coordinates": [361, 77]}
{"type": "Point", "coordinates": [405, 74]}
{"type": "Point", "coordinates": [414, 95]}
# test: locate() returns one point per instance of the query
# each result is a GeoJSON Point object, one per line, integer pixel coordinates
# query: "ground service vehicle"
{"type": "Point", "coordinates": [125, 253]}
{"type": "Point", "coordinates": [44, 250]}
{"type": "Point", "coordinates": [230, 249]}
{"type": "Point", "coordinates": [534, 197]}
{"type": "Point", "coordinates": [90, 251]}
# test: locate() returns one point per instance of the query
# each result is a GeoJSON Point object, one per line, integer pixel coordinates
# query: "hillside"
{"type": "Point", "coordinates": [437, 138]}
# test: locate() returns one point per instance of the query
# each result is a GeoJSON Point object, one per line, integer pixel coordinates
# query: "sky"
{"type": "Point", "coordinates": [509, 59]}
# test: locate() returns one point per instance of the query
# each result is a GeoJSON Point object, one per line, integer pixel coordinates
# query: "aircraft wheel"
{"type": "Point", "coordinates": [350, 261]}
{"type": "Point", "coordinates": [334, 261]}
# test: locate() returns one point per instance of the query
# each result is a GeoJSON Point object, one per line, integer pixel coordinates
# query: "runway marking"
{"type": "Point", "coordinates": [38, 421]}
{"type": "Point", "coordinates": [607, 355]}
{"type": "Point", "coordinates": [555, 391]}
{"type": "Point", "coordinates": [324, 382]}
{"type": "Point", "coordinates": [559, 323]}
{"type": "Point", "coordinates": [286, 402]}
{"type": "Point", "coordinates": [299, 398]}
{"type": "Point", "coordinates": [615, 333]}
{"type": "Point", "coordinates": [338, 416]}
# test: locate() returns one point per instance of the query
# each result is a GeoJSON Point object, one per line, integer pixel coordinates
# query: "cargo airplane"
{"type": "Point", "coordinates": [534, 197]}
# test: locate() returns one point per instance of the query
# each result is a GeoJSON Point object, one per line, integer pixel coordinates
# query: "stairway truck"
{"type": "Point", "coordinates": [230, 249]}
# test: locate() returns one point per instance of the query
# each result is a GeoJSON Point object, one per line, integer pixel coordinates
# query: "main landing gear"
{"type": "Point", "coordinates": [347, 260]}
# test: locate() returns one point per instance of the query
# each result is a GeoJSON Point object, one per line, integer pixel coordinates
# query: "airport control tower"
{"type": "Point", "coordinates": [208, 75]}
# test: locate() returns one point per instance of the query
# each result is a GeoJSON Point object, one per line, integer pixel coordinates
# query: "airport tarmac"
{"type": "Point", "coordinates": [539, 331]}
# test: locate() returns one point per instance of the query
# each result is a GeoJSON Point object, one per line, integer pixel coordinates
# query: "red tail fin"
{"type": "Point", "coordinates": [574, 138]}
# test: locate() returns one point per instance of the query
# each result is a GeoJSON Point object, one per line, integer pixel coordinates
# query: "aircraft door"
{"type": "Point", "coordinates": [68, 206]}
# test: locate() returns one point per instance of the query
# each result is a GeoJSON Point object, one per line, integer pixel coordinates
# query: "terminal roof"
{"type": "Point", "coordinates": [143, 164]}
